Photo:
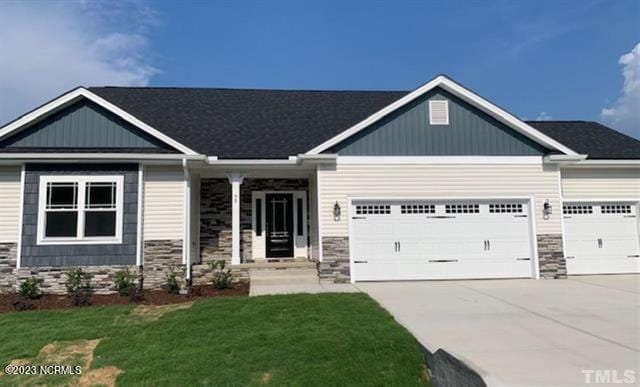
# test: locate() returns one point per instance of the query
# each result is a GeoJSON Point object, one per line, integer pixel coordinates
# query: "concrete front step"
{"type": "Point", "coordinates": [296, 276]}
{"type": "Point", "coordinates": [275, 265]}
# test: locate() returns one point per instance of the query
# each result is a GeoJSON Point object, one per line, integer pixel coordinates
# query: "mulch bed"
{"type": "Point", "coordinates": [150, 297]}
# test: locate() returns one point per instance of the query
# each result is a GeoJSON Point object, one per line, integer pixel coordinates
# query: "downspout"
{"type": "Point", "coordinates": [186, 248]}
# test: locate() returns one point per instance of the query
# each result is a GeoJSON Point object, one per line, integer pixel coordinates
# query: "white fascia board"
{"type": "Point", "coordinates": [463, 93]}
{"type": "Point", "coordinates": [98, 156]}
{"type": "Point", "coordinates": [276, 162]}
{"type": "Point", "coordinates": [323, 158]}
{"type": "Point", "coordinates": [439, 160]}
{"type": "Point", "coordinates": [564, 159]}
{"type": "Point", "coordinates": [318, 157]}
{"type": "Point", "coordinates": [78, 93]}
{"type": "Point", "coordinates": [605, 163]}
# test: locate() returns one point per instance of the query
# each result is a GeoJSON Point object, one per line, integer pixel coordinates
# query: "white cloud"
{"type": "Point", "coordinates": [47, 48]}
{"type": "Point", "coordinates": [543, 116]}
{"type": "Point", "coordinates": [625, 113]}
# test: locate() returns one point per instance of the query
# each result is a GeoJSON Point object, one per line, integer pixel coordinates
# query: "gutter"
{"type": "Point", "coordinates": [292, 160]}
{"type": "Point", "coordinates": [328, 158]}
{"type": "Point", "coordinates": [99, 156]}
{"type": "Point", "coordinates": [564, 159]}
{"type": "Point", "coordinates": [606, 164]}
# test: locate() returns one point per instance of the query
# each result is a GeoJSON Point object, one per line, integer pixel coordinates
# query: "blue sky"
{"type": "Point", "coordinates": [538, 59]}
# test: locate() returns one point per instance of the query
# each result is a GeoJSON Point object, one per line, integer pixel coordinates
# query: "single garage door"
{"type": "Point", "coordinates": [601, 238]}
{"type": "Point", "coordinates": [411, 240]}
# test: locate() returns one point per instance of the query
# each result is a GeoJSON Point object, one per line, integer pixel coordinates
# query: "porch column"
{"type": "Point", "coordinates": [235, 179]}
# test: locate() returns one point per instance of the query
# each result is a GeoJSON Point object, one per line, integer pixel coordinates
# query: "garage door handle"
{"type": "Point", "coordinates": [519, 216]}
{"type": "Point", "coordinates": [440, 217]}
{"type": "Point", "coordinates": [629, 216]}
{"type": "Point", "coordinates": [359, 217]}
{"type": "Point", "coordinates": [523, 259]}
{"type": "Point", "coordinates": [442, 260]}
{"type": "Point", "coordinates": [569, 257]}
{"type": "Point", "coordinates": [633, 256]}
{"type": "Point", "coordinates": [360, 262]}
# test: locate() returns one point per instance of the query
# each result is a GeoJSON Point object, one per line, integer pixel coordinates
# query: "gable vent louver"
{"type": "Point", "coordinates": [439, 112]}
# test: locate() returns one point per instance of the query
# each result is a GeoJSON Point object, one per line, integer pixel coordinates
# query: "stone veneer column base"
{"type": "Point", "coordinates": [551, 256]}
{"type": "Point", "coordinates": [8, 260]}
{"type": "Point", "coordinates": [159, 257]}
{"type": "Point", "coordinates": [335, 260]}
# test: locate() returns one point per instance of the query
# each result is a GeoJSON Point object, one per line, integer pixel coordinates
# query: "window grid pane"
{"type": "Point", "coordinates": [417, 209]}
{"type": "Point", "coordinates": [615, 209]}
{"type": "Point", "coordinates": [505, 208]}
{"type": "Point", "coordinates": [577, 209]}
{"type": "Point", "coordinates": [373, 209]}
{"type": "Point", "coordinates": [100, 195]}
{"type": "Point", "coordinates": [62, 196]}
{"type": "Point", "coordinates": [462, 208]}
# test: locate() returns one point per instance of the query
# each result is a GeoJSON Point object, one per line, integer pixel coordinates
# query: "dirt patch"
{"type": "Point", "coordinates": [265, 378]}
{"type": "Point", "coordinates": [154, 312]}
{"type": "Point", "coordinates": [78, 353]}
{"type": "Point", "coordinates": [150, 297]}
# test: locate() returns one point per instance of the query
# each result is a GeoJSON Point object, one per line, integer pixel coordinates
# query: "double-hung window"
{"type": "Point", "coordinates": [80, 209]}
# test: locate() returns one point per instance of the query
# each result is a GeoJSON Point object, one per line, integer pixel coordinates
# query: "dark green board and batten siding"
{"type": "Point", "coordinates": [407, 132]}
{"type": "Point", "coordinates": [83, 125]}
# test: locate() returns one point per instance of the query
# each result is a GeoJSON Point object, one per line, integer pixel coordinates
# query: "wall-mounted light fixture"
{"type": "Point", "coordinates": [336, 212]}
{"type": "Point", "coordinates": [547, 208]}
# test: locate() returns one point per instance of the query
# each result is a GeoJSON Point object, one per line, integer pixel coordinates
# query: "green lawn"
{"type": "Point", "coordinates": [298, 340]}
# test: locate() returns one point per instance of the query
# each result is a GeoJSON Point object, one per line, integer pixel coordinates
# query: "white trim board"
{"type": "Point", "coordinates": [20, 217]}
{"type": "Point", "coordinates": [75, 95]}
{"type": "Point", "coordinates": [536, 160]}
{"type": "Point", "coordinates": [464, 94]}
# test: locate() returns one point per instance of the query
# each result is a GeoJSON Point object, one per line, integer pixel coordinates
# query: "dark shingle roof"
{"type": "Point", "coordinates": [243, 123]}
{"type": "Point", "coordinates": [248, 123]}
{"type": "Point", "coordinates": [592, 138]}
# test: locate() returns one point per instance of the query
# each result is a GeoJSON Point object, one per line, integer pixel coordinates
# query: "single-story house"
{"type": "Point", "coordinates": [435, 183]}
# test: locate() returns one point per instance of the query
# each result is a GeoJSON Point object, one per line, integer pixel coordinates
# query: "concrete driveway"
{"type": "Point", "coordinates": [526, 332]}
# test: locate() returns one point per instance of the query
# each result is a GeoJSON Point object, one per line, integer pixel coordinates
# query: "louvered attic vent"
{"type": "Point", "coordinates": [439, 112]}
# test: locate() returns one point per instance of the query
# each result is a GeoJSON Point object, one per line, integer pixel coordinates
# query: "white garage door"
{"type": "Point", "coordinates": [404, 240]}
{"type": "Point", "coordinates": [601, 238]}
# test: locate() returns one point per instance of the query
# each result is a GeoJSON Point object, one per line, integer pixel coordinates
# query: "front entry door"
{"type": "Point", "coordinates": [279, 225]}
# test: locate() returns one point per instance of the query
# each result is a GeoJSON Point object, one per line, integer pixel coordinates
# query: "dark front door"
{"type": "Point", "coordinates": [279, 225]}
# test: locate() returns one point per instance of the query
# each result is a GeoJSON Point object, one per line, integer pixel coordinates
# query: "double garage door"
{"type": "Point", "coordinates": [601, 237]}
{"type": "Point", "coordinates": [404, 240]}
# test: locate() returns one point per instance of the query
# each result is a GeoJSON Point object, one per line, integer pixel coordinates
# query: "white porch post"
{"type": "Point", "coordinates": [235, 179]}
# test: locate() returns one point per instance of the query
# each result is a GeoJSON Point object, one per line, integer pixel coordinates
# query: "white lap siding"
{"type": "Point", "coordinates": [438, 181]}
{"type": "Point", "coordinates": [163, 216]}
{"type": "Point", "coordinates": [9, 203]}
{"type": "Point", "coordinates": [601, 183]}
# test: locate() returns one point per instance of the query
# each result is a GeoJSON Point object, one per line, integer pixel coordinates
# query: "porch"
{"type": "Point", "coordinates": [262, 220]}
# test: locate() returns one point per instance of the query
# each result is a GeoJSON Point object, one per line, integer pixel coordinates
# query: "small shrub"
{"type": "Point", "coordinates": [171, 281]}
{"type": "Point", "coordinates": [78, 286]}
{"type": "Point", "coordinates": [30, 288]}
{"type": "Point", "coordinates": [124, 281]}
{"type": "Point", "coordinates": [24, 305]}
{"type": "Point", "coordinates": [221, 277]}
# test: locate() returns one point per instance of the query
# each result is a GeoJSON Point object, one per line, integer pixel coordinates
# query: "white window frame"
{"type": "Point", "coordinates": [81, 208]}
{"type": "Point", "coordinates": [446, 108]}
